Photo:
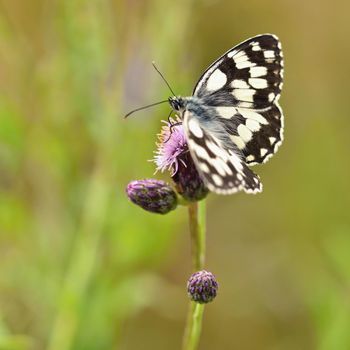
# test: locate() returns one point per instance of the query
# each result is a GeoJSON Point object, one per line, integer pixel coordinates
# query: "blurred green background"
{"type": "Point", "coordinates": [80, 266]}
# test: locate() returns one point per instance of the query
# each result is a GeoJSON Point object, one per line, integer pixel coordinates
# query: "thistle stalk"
{"type": "Point", "coordinates": [196, 211]}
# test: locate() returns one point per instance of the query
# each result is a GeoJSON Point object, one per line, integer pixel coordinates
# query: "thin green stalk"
{"type": "Point", "coordinates": [197, 221]}
{"type": "Point", "coordinates": [196, 212]}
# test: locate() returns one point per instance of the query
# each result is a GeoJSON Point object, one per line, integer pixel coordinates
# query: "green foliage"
{"type": "Point", "coordinates": [81, 266]}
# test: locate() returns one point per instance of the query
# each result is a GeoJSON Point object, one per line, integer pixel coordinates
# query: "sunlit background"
{"type": "Point", "coordinates": [80, 266]}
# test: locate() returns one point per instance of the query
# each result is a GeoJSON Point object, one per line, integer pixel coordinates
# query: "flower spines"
{"type": "Point", "coordinates": [172, 144]}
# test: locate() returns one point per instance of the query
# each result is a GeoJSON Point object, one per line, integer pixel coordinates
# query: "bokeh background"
{"type": "Point", "coordinates": [80, 266]}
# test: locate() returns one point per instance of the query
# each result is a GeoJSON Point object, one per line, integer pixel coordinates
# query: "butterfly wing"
{"type": "Point", "coordinates": [244, 86]}
{"type": "Point", "coordinates": [257, 133]}
{"type": "Point", "coordinates": [218, 161]}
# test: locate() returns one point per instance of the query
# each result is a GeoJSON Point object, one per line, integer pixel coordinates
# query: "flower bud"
{"type": "Point", "coordinates": [202, 287]}
{"type": "Point", "coordinates": [152, 195]}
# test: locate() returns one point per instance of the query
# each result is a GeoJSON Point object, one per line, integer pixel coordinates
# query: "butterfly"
{"type": "Point", "coordinates": [233, 119]}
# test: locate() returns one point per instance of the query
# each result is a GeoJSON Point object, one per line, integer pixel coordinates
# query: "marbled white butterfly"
{"type": "Point", "coordinates": [233, 118]}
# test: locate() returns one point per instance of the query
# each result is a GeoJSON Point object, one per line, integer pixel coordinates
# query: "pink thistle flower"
{"type": "Point", "coordinates": [173, 154]}
{"type": "Point", "coordinates": [171, 146]}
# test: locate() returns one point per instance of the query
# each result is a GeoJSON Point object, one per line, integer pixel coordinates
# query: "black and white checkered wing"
{"type": "Point", "coordinates": [244, 86]}
{"type": "Point", "coordinates": [219, 163]}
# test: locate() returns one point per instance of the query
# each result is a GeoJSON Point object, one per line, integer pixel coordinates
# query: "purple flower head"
{"type": "Point", "coordinates": [202, 287]}
{"type": "Point", "coordinates": [173, 154]}
{"type": "Point", "coordinates": [152, 195]}
{"type": "Point", "coordinates": [172, 144]}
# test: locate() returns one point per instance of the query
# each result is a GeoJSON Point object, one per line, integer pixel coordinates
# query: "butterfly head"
{"type": "Point", "coordinates": [177, 103]}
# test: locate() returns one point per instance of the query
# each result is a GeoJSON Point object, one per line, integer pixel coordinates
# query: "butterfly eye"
{"type": "Point", "coordinates": [175, 103]}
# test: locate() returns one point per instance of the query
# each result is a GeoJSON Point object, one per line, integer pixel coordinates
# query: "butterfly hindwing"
{"type": "Point", "coordinates": [257, 133]}
{"type": "Point", "coordinates": [221, 167]}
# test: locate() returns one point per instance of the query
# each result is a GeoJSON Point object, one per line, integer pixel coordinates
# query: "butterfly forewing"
{"type": "Point", "coordinates": [221, 167]}
{"type": "Point", "coordinates": [249, 75]}
{"type": "Point", "coordinates": [243, 86]}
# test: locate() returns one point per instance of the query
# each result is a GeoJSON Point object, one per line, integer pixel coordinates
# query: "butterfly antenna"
{"type": "Point", "coordinates": [144, 107]}
{"type": "Point", "coordinates": [155, 67]}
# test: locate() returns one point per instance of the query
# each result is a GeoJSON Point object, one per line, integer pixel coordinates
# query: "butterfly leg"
{"type": "Point", "coordinates": [171, 130]}
{"type": "Point", "coordinates": [169, 120]}
{"type": "Point", "coordinates": [171, 125]}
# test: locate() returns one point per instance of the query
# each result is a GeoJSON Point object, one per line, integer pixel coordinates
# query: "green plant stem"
{"type": "Point", "coordinates": [193, 328]}
{"type": "Point", "coordinates": [196, 213]}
